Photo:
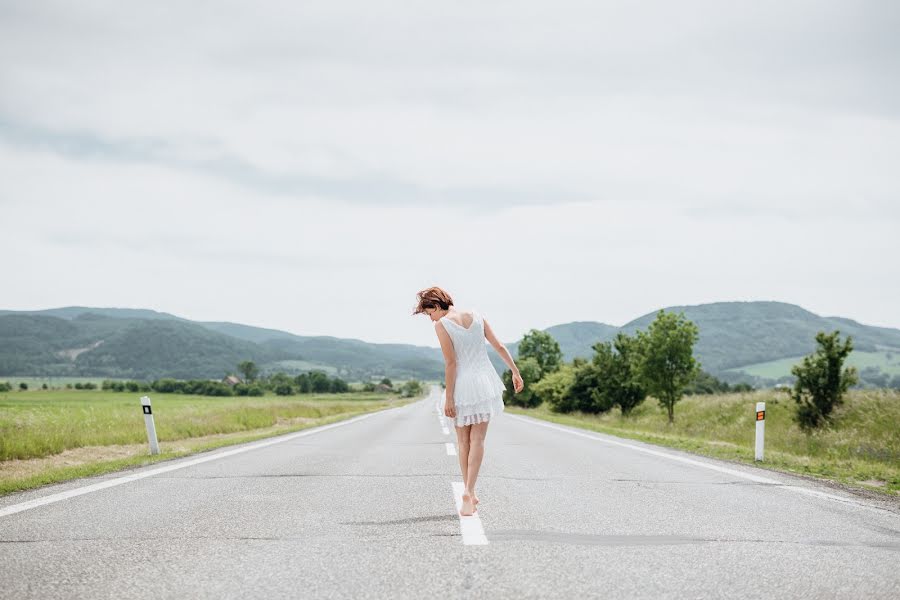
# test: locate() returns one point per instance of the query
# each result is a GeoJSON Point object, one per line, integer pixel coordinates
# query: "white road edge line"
{"type": "Point", "coordinates": [15, 508]}
{"type": "Point", "coordinates": [470, 527]}
{"type": "Point", "coordinates": [445, 431]}
{"type": "Point", "coordinates": [451, 449]}
{"type": "Point", "coordinates": [697, 463]}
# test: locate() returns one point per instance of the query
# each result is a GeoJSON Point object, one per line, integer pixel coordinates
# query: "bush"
{"type": "Point", "coordinates": [554, 387]}
{"type": "Point", "coordinates": [616, 375]}
{"type": "Point", "coordinates": [132, 386]}
{"type": "Point", "coordinates": [89, 386]}
{"type": "Point", "coordinates": [820, 382]}
{"type": "Point", "coordinates": [410, 388]}
{"type": "Point", "coordinates": [5, 387]}
{"type": "Point", "coordinates": [584, 393]}
{"type": "Point", "coordinates": [339, 386]}
{"type": "Point", "coordinates": [530, 371]}
{"type": "Point", "coordinates": [284, 389]}
{"type": "Point", "coordinates": [23, 386]}
{"type": "Point", "coordinates": [167, 386]}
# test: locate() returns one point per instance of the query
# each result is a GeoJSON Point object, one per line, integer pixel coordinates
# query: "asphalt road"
{"type": "Point", "coordinates": [366, 510]}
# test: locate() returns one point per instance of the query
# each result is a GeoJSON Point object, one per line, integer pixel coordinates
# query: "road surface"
{"type": "Point", "coordinates": [366, 509]}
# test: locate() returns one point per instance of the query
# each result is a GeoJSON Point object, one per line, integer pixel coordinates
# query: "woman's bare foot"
{"type": "Point", "coordinates": [468, 506]}
{"type": "Point", "coordinates": [475, 498]}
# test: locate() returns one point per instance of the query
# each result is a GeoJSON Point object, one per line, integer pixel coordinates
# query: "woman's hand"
{"type": "Point", "coordinates": [450, 408]}
{"type": "Point", "coordinates": [518, 384]}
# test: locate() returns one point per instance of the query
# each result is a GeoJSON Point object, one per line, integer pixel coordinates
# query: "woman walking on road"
{"type": "Point", "coordinates": [474, 391]}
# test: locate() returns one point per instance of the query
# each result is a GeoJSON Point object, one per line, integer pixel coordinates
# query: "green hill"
{"type": "Point", "coordinates": [142, 344]}
{"type": "Point", "coordinates": [739, 341]}
{"type": "Point", "coordinates": [756, 342]}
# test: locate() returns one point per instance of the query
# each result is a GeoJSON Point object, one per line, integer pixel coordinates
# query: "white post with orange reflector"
{"type": "Point", "coordinates": [760, 428]}
{"type": "Point", "coordinates": [151, 427]}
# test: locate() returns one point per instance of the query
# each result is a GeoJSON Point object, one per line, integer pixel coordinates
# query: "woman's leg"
{"type": "Point", "coordinates": [462, 444]}
{"type": "Point", "coordinates": [476, 453]}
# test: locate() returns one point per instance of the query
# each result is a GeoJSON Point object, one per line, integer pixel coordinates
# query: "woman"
{"type": "Point", "coordinates": [474, 391]}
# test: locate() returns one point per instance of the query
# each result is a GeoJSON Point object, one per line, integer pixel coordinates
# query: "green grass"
{"type": "Point", "coordinates": [887, 361]}
{"type": "Point", "coordinates": [862, 445]}
{"type": "Point", "coordinates": [39, 424]}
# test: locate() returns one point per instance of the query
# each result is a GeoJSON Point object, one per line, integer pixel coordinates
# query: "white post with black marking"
{"type": "Point", "coordinates": [760, 429]}
{"type": "Point", "coordinates": [151, 427]}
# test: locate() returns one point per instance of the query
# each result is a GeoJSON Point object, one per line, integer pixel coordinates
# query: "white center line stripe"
{"type": "Point", "coordinates": [470, 527]}
{"type": "Point", "coordinates": [181, 465]}
{"type": "Point", "coordinates": [451, 449]}
{"type": "Point", "coordinates": [697, 463]}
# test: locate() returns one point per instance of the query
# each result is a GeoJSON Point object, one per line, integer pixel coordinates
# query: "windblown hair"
{"type": "Point", "coordinates": [433, 297]}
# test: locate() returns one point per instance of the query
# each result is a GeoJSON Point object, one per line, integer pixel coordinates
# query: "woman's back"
{"type": "Point", "coordinates": [478, 389]}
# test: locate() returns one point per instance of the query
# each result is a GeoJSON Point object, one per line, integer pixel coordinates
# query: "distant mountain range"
{"type": "Point", "coordinates": [739, 341]}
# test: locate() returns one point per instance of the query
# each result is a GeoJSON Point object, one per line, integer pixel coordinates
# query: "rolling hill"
{"type": "Point", "coordinates": [739, 341]}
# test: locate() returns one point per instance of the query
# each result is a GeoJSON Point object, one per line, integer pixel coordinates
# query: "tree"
{"type": "Point", "coordinates": [302, 383]}
{"type": "Point", "coordinates": [411, 388]}
{"type": "Point", "coordinates": [541, 346]}
{"type": "Point", "coordinates": [249, 370]}
{"type": "Point", "coordinates": [23, 386]}
{"type": "Point", "coordinates": [284, 389]}
{"type": "Point", "coordinates": [821, 383]}
{"type": "Point", "coordinates": [554, 387]}
{"type": "Point", "coordinates": [617, 380]}
{"type": "Point", "coordinates": [339, 386]}
{"type": "Point", "coordinates": [319, 382]}
{"type": "Point", "coordinates": [584, 393]}
{"type": "Point", "coordinates": [531, 373]}
{"type": "Point", "coordinates": [665, 362]}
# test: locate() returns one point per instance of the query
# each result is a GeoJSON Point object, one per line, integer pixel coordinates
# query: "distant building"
{"type": "Point", "coordinates": [232, 380]}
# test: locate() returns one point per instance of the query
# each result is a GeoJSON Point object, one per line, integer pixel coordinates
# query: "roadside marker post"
{"type": "Point", "coordinates": [760, 429]}
{"type": "Point", "coordinates": [151, 427]}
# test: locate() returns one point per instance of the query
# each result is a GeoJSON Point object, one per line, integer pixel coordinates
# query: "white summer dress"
{"type": "Point", "coordinates": [478, 393]}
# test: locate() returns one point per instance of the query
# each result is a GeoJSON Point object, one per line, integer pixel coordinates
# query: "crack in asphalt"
{"type": "Point", "coordinates": [653, 540]}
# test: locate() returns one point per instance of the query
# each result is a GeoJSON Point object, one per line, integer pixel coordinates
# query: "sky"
{"type": "Point", "coordinates": [309, 166]}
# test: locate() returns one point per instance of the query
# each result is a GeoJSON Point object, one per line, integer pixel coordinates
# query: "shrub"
{"type": "Point", "coordinates": [23, 386]}
{"type": "Point", "coordinates": [617, 379]}
{"type": "Point", "coordinates": [554, 388]}
{"type": "Point", "coordinates": [530, 371]}
{"type": "Point", "coordinates": [820, 382]}
{"type": "Point", "coordinates": [284, 389]}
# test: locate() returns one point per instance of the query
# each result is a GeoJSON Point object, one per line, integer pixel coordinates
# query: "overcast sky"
{"type": "Point", "coordinates": [309, 166]}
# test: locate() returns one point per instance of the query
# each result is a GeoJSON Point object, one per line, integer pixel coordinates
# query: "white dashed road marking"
{"type": "Point", "coordinates": [470, 527]}
{"type": "Point", "coordinates": [451, 449]}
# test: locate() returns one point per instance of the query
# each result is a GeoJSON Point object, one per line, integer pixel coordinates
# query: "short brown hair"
{"type": "Point", "coordinates": [433, 297]}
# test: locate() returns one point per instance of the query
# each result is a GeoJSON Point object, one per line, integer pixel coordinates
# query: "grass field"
{"type": "Point", "coordinates": [862, 448]}
{"type": "Point", "coordinates": [888, 362]}
{"type": "Point", "coordinates": [55, 435]}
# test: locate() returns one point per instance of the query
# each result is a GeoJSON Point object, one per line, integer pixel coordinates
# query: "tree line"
{"type": "Point", "coordinates": [660, 362]}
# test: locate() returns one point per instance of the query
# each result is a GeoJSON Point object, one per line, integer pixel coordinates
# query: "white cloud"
{"type": "Point", "coordinates": [310, 167]}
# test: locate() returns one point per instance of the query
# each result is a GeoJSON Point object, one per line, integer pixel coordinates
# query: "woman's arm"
{"type": "Point", "coordinates": [518, 383]}
{"type": "Point", "coordinates": [449, 362]}
{"type": "Point", "coordinates": [500, 348]}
